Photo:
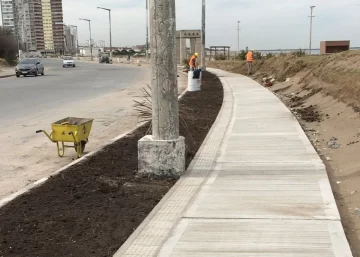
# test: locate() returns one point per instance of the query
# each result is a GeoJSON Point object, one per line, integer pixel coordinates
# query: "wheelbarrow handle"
{"type": "Point", "coordinates": [49, 136]}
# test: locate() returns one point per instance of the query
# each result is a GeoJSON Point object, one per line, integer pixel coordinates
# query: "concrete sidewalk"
{"type": "Point", "coordinates": [256, 188]}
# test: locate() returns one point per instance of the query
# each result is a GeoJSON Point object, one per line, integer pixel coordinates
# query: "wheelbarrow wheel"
{"type": "Point", "coordinates": [82, 143]}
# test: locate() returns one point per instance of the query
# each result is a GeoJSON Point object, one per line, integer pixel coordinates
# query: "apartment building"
{"type": "Point", "coordinates": [7, 14]}
{"type": "Point", "coordinates": [39, 25]}
{"type": "Point", "coordinates": [70, 34]}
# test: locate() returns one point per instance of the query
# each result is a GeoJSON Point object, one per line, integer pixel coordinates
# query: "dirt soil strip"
{"type": "Point", "coordinates": [91, 208]}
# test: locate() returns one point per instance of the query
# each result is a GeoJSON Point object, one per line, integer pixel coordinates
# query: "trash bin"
{"type": "Point", "coordinates": [194, 81]}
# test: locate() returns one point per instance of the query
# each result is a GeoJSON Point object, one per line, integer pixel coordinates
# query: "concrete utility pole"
{"type": "Point", "coordinates": [165, 123]}
{"type": "Point", "coordinates": [311, 18]}
{"type": "Point", "coordinates": [238, 30]}
{"type": "Point", "coordinates": [203, 49]}
{"type": "Point", "coordinates": [163, 153]}
{"type": "Point", "coordinates": [90, 42]}
{"type": "Point", "coordinates": [109, 10]}
{"type": "Point", "coordinates": [147, 30]}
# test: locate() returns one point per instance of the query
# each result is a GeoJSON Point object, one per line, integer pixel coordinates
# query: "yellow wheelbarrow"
{"type": "Point", "coordinates": [75, 130]}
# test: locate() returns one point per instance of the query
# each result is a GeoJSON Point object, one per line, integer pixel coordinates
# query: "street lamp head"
{"type": "Point", "coordinates": [106, 9]}
{"type": "Point", "coordinates": [84, 19]}
{"type": "Point", "coordinates": [312, 6]}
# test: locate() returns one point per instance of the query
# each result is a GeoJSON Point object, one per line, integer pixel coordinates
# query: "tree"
{"type": "Point", "coordinates": [8, 45]}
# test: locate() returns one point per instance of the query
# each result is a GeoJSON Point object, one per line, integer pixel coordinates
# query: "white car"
{"type": "Point", "coordinates": [68, 61]}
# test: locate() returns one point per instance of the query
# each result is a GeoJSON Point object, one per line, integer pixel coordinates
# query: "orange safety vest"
{"type": "Point", "coordinates": [192, 61]}
{"type": "Point", "coordinates": [250, 57]}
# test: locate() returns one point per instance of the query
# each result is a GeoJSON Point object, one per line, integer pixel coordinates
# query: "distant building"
{"type": "Point", "coordinates": [139, 48]}
{"type": "Point", "coordinates": [70, 40]}
{"type": "Point", "coordinates": [329, 47]}
{"type": "Point", "coordinates": [7, 14]}
{"type": "Point", "coordinates": [39, 25]}
{"type": "Point", "coordinates": [86, 51]}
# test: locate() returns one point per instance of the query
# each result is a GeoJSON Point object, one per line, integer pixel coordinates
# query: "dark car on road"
{"type": "Point", "coordinates": [104, 59]}
{"type": "Point", "coordinates": [29, 66]}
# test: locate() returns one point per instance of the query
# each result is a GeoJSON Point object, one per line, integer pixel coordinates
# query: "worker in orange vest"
{"type": "Point", "coordinates": [250, 60]}
{"type": "Point", "coordinates": [192, 62]}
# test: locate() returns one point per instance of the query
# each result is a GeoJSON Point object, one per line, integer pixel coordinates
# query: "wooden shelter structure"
{"type": "Point", "coordinates": [225, 50]}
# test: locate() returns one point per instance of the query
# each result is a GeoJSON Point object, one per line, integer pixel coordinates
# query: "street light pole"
{"type": "Point", "coordinates": [203, 49]}
{"type": "Point", "coordinates": [311, 18]}
{"type": "Point", "coordinates": [109, 10]}
{"type": "Point", "coordinates": [90, 43]}
{"type": "Point", "coordinates": [238, 30]}
{"type": "Point", "coordinates": [147, 30]}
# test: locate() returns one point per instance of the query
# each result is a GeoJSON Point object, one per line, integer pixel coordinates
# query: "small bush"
{"type": "Point", "coordinates": [186, 64]}
{"type": "Point", "coordinates": [257, 55]}
{"type": "Point", "coordinates": [8, 46]}
{"type": "Point", "coordinates": [299, 53]}
{"type": "Point", "coordinates": [242, 55]}
{"type": "Point", "coordinates": [269, 55]}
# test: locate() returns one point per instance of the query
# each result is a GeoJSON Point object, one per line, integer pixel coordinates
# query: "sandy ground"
{"type": "Point", "coordinates": [4, 71]}
{"type": "Point", "coordinates": [341, 122]}
{"type": "Point", "coordinates": [30, 158]}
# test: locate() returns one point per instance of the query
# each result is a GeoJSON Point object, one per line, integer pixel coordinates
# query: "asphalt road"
{"type": "Point", "coordinates": [100, 91]}
{"type": "Point", "coordinates": [60, 87]}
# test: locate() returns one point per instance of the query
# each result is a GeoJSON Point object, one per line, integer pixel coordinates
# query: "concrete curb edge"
{"type": "Point", "coordinates": [7, 76]}
{"type": "Point", "coordinates": [41, 181]}
{"type": "Point", "coordinates": [161, 203]}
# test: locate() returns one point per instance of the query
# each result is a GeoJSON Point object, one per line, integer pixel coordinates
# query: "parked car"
{"type": "Point", "coordinates": [30, 66]}
{"type": "Point", "coordinates": [104, 59]}
{"type": "Point", "coordinates": [68, 61]}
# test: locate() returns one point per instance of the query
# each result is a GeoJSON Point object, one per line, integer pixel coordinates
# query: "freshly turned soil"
{"type": "Point", "coordinates": [91, 208]}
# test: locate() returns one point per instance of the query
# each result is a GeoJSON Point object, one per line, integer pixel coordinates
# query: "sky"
{"type": "Point", "coordinates": [265, 24]}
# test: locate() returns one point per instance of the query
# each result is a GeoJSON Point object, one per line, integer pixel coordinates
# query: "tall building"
{"type": "Point", "coordinates": [70, 40]}
{"type": "Point", "coordinates": [7, 13]}
{"type": "Point", "coordinates": [24, 24]}
{"type": "Point", "coordinates": [39, 25]}
{"type": "Point", "coordinates": [57, 25]}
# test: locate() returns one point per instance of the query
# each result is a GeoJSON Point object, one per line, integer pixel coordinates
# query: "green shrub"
{"type": "Point", "coordinates": [269, 55]}
{"type": "Point", "coordinates": [242, 55]}
{"type": "Point", "coordinates": [299, 53]}
{"type": "Point", "coordinates": [257, 55]}
{"type": "Point", "coordinates": [186, 64]}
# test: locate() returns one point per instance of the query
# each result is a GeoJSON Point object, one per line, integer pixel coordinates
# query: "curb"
{"type": "Point", "coordinates": [13, 75]}
{"type": "Point", "coordinates": [136, 233]}
{"type": "Point", "coordinates": [41, 181]}
{"type": "Point", "coordinates": [6, 76]}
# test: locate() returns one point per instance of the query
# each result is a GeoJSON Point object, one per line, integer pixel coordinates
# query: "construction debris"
{"type": "Point", "coordinates": [333, 143]}
{"type": "Point", "coordinates": [357, 211]}
{"type": "Point", "coordinates": [268, 81]}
